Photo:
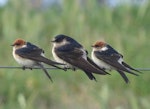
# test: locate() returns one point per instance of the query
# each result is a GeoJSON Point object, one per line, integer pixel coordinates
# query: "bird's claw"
{"type": "Point", "coordinates": [30, 68]}
{"type": "Point", "coordinates": [23, 68]}
{"type": "Point", "coordinates": [65, 68]}
{"type": "Point", "coordinates": [74, 69]}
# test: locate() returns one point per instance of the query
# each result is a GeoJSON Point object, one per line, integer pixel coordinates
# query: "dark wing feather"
{"type": "Point", "coordinates": [112, 59]}
{"type": "Point", "coordinates": [74, 57]}
{"type": "Point", "coordinates": [34, 53]}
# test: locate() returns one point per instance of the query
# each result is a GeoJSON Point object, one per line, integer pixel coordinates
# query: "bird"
{"type": "Point", "coordinates": [68, 51]}
{"type": "Point", "coordinates": [29, 55]}
{"type": "Point", "coordinates": [107, 58]}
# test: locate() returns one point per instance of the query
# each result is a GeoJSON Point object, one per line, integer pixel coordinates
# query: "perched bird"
{"type": "Point", "coordinates": [29, 55]}
{"type": "Point", "coordinates": [68, 51]}
{"type": "Point", "coordinates": [108, 58]}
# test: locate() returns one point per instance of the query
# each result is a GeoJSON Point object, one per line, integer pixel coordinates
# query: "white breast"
{"type": "Point", "coordinates": [23, 61]}
{"type": "Point", "coordinates": [100, 63]}
{"type": "Point", "coordinates": [57, 59]}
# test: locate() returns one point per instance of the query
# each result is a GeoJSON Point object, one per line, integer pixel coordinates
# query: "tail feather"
{"type": "Point", "coordinates": [126, 65]}
{"type": "Point", "coordinates": [126, 69]}
{"type": "Point", "coordinates": [45, 71]}
{"type": "Point", "coordinates": [123, 76]}
{"type": "Point", "coordinates": [90, 75]}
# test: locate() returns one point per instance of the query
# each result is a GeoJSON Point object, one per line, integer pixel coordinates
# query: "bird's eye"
{"type": "Point", "coordinates": [96, 46]}
{"type": "Point", "coordinates": [59, 40]}
{"type": "Point", "coordinates": [17, 44]}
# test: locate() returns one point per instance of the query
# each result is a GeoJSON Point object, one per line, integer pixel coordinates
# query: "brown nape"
{"type": "Point", "coordinates": [19, 42]}
{"type": "Point", "coordinates": [99, 44]}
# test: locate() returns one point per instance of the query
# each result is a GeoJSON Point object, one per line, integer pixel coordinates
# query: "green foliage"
{"type": "Point", "coordinates": [126, 28]}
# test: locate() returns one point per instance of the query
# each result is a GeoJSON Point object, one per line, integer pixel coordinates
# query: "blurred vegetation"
{"type": "Point", "coordinates": [126, 28]}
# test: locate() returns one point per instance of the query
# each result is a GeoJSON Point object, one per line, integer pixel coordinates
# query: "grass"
{"type": "Point", "coordinates": [126, 28]}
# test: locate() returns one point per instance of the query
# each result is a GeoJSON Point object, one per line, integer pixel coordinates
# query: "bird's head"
{"type": "Point", "coordinates": [60, 40]}
{"type": "Point", "coordinates": [99, 45]}
{"type": "Point", "coordinates": [18, 43]}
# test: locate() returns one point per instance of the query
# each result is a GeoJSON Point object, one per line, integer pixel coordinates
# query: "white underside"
{"type": "Point", "coordinates": [57, 59]}
{"type": "Point", "coordinates": [100, 63]}
{"type": "Point", "coordinates": [23, 61]}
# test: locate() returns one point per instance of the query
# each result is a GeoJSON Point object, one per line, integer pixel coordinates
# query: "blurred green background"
{"type": "Point", "coordinates": [125, 27]}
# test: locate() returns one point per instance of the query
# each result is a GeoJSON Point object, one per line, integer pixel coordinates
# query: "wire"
{"type": "Point", "coordinates": [143, 69]}
{"type": "Point", "coordinates": [14, 67]}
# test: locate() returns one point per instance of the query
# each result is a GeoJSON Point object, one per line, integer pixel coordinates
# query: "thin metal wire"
{"type": "Point", "coordinates": [143, 69]}
{"type": "Point", "coordinates": [14, 67]}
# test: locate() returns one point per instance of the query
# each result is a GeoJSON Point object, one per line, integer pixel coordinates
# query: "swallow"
{"type": "Point", "coordinates": [108, 58]}
{"type": "Point", "coordinates": [68, 51]}
{"type": "Point", "coordinates": [29, 56]}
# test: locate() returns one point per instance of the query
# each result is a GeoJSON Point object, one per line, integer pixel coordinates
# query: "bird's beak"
{"type": "Point", "coordinates": [92, 45]}
{"type": "Point", "coordinates": [12, 45]}
{"type": "Point", "coordinates": [53, 41]}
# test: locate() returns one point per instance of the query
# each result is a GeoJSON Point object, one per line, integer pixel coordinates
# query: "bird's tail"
{"type": "Point", "coordinates": [123, 76]}
{"type": "Point", "coordinates": [90, 75]}
{"type": "Point", "coordinates": [123, 67]}
{"type": "Point", "coordinates": [45, 71]}
{"type": "Point", "coordinates": [128, 66]}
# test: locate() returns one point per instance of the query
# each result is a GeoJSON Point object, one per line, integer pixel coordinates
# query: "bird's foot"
{"type": "Point", "coordinates": [23, 67]}
{"type": "Point", "coordinates": [30, 68]}
{"type": "Point", "coordinates": [95, 79]}
{"type": "Point", "coordinates": [74, 69]}
{"type": "Point", "coordinates": [26, 68]}
{"type": "Point", "coordinates": [65, 68]}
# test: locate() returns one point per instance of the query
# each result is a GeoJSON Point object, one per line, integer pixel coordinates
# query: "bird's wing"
{"type": "Point", "coordinates": [34, 53]}
{"type": "Point", "coordinates": [69, 51]}
{"type": "Point", "coordinates": [74, 57]}
{"type": "Point", "coordinates": [29, 51]}
{"type": "Point", "coordinates": [112, 59]}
